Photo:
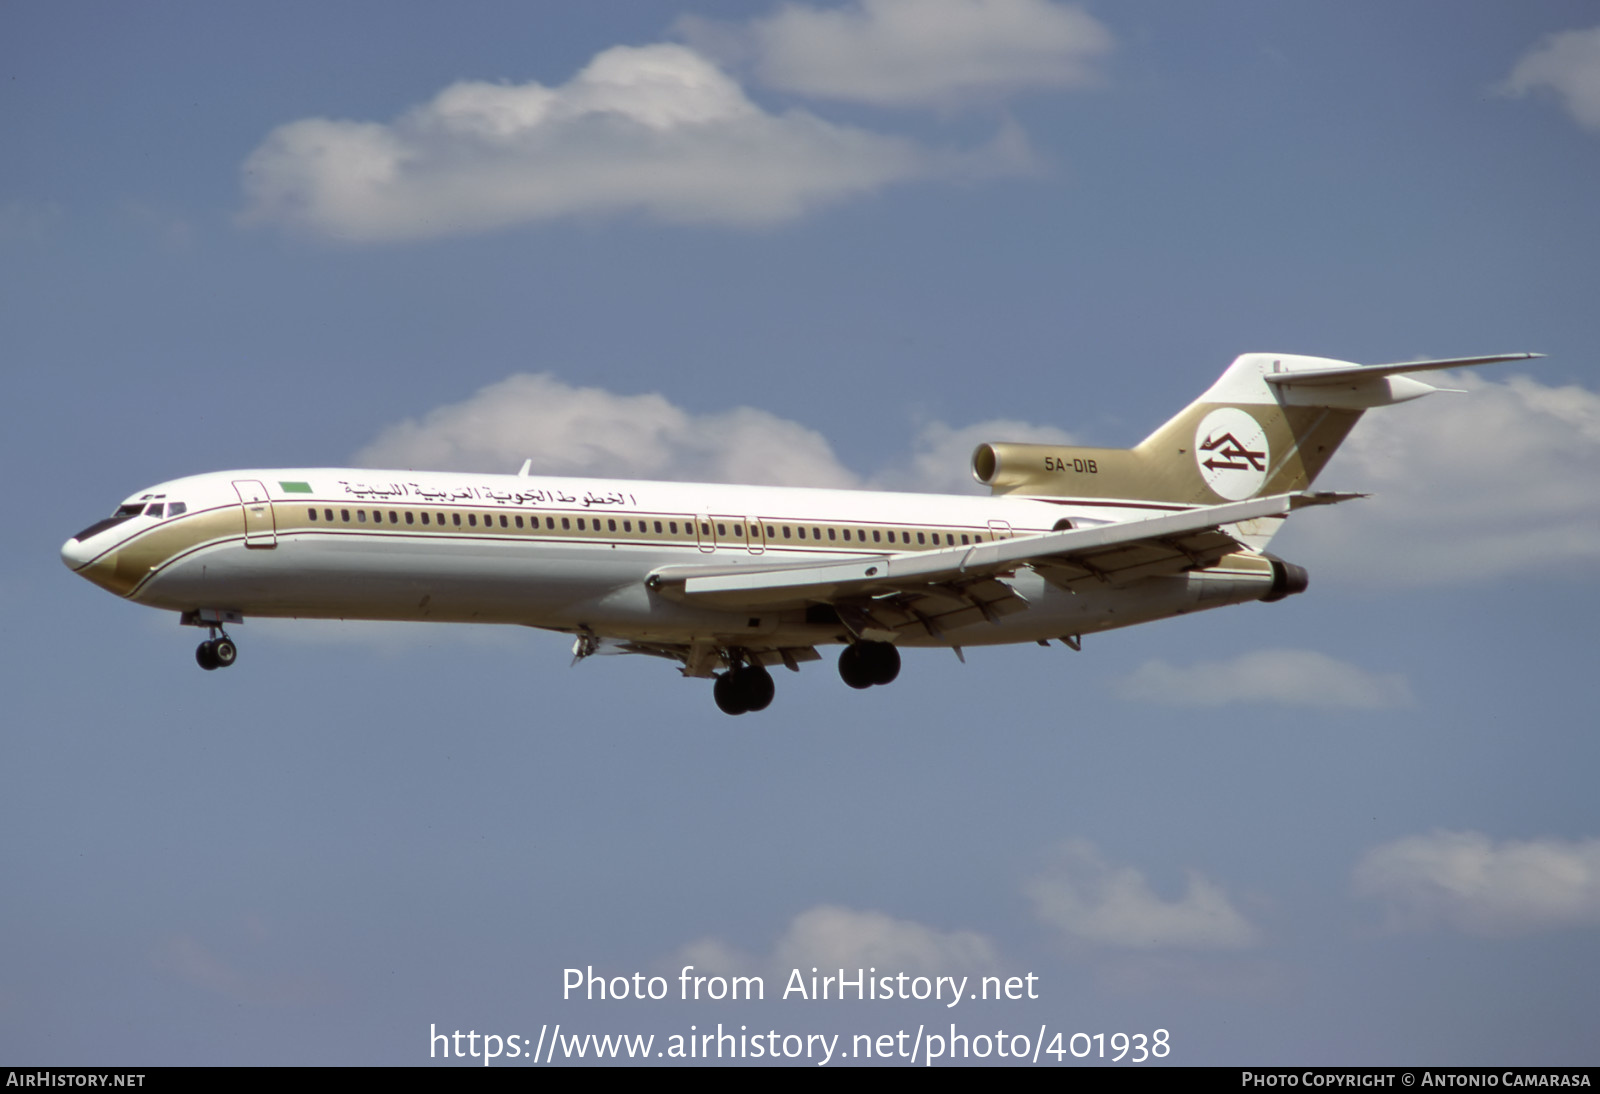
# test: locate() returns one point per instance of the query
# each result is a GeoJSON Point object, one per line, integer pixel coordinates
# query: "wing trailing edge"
{"type": "Point", "coordinates": [1117, 553]}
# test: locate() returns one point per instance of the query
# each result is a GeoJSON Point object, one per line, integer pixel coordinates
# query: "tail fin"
{"type": "Point", "coordinates": [1268, 425]}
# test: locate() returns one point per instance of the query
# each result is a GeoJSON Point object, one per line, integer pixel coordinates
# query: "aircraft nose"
{"type": "Point", "coordinates": [74, 554]}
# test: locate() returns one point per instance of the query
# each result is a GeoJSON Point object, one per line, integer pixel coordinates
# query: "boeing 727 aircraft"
{"type": "Point", "coordinates": [730, 581]}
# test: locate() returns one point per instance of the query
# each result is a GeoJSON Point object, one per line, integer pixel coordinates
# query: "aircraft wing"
{"type": "Point", "coordinates": [958, 585]}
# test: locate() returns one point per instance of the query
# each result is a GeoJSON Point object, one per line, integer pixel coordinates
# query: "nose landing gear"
{"type": "Point", "coordinates": [216, 653]}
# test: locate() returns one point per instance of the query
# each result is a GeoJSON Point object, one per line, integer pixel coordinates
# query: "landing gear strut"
{"type": "Point", "coordinates": [743, 688]}
{"type": "Point", "coordinates": [867, 663]}
{"type": "Point", "coordinates": [216, 652]}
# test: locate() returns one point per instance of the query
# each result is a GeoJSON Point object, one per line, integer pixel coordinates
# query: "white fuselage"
{"type": "Point", "coordinates": [574, 554]}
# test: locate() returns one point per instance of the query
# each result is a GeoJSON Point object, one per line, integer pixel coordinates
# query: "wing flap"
{"type": "Point", "coordinates": [1127, 563]}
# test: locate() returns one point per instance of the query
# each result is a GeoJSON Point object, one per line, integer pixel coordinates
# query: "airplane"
{"type": "Point", "coordinates": [730, 581]}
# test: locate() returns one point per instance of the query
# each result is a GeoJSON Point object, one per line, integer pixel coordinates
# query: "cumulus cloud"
{"type": "Point", "coordinates": [913, 52]}
{"type": "Point", "coordinates": [1291, 678]}
{"type": "Point", "coordinates": [1567, 64]}
{"type": "Point", "coordinates": [832, 937]}
{"type": "Point", "coordinates": [1466, 881]}
{"type": "Point", "coordinates": [940, 460]}
{"type": "Point", "coordinates": [1503, 479]}
{"type": "Point", "coordinates": [592, 432]}
{"type": "Point", "coordinates": [656, 130]}
{"type": "Point", "coordinates": [588, 431]}
{"type": "Point", "coordinates": [1093, 902]}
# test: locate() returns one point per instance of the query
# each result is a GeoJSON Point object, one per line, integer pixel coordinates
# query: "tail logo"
{"type": "Point", "coordinates": [1232, 453]}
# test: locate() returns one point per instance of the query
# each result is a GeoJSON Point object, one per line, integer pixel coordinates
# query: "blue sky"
{"type": "Point", "coordinates": [830, 244]}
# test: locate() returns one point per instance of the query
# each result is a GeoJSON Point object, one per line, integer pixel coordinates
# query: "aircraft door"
{"type": "Point", "coordinates": [1000, 529]}
{"type": "Point", "coordinates": [737, 532]}
{"type": "Point", "coordinates": [260, 526]}
{"type": "Point", "coordinates": [702, 533]}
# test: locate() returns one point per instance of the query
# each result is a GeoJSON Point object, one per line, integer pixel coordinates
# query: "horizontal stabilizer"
{"type": "Point", "coordinates": [1319, 376]}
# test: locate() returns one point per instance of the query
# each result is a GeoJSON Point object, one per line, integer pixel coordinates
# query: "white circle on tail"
{"type": "Point", "coordinates": [1231, 451]}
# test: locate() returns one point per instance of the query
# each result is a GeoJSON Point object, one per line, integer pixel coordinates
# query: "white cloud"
{"type": "Point", "coordinates": [656, 130]}
{"type": "Point", "coordinates": [1504, 479]}
{"type": "Point", "coordinates": [588, 431]}
{"type": "Point", "coordinates": [1568, 64]}
{"type": "Point", "coordinates": [914, 52]}
{"type": "Point", "coordinates": [1094, 902]}
{"type": "Point", "coordinates": [830, 937]}
{"type": "Point", "coordinates": [845, 938]}
{"type": "Point", "coordinates": [1466, 881]}
{"type": "Point", "coordinates": [1292, 678]}
{"type": "Point", "coordinates": [941, 455]}
{"type": "Point", "coordinates": [592, 432]}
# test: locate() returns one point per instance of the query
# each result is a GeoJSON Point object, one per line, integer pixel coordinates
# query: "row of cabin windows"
{"type": "Point", "coordinates": [788, 531]}
{"type": "Point", "coordinates": [514, 520]}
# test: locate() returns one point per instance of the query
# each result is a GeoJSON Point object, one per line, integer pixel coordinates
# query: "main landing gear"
{"type": "Point", "coordinates": [743, 688]}
{"type": "Point", "coordinates": [216, 652]}
{"type": "Point", "coordinates": [867, 663]}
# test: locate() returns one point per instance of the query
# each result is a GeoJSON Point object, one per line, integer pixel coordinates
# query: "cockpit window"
{"type": "Point", "coordinates": [128, 510]}
{"type": "Point", "coordinates": [110, 522]}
